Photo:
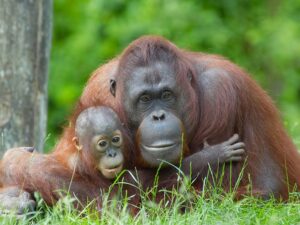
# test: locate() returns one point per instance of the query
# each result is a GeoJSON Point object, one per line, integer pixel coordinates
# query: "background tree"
{"type": "Point", "coordinates": [25, 34]}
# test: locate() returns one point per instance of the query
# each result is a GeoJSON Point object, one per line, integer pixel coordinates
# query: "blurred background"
{"type": "Point", "coordinates": [263, 37]}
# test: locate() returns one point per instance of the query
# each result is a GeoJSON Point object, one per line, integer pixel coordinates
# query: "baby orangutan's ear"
{"type": "Point", "coordinates": [76, 143]}
{"type": "Point", "coordinates": [205, 144]}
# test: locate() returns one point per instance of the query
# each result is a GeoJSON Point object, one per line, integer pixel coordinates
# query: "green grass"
{"type": "Point", "coordinates": [210, 206]}
{"type": "Point", "coordinates": [215, 210]}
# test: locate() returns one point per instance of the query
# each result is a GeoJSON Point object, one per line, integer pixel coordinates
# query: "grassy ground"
{"type": "Point", "coordinates": [218, 208]}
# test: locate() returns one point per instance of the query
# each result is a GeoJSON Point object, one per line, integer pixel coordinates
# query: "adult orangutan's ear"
{"type": "Point", "coordinates": [190, 76]}
{"type": "Point", "coordinates": [113, 86]}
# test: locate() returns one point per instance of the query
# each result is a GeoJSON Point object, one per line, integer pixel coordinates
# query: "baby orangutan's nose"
{"type": "Point", "coordinates": [111, 153]}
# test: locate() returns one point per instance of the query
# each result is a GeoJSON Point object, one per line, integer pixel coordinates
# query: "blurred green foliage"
{"type": "Point", "coordinates": [261, 36]}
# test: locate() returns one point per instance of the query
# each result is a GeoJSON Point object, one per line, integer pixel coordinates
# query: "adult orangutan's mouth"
{"type": "Point", "coordinates": [160, 147]}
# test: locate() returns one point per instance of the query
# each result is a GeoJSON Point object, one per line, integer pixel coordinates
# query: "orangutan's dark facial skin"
{"type": "Point", "coordinates": [152, 104]}
{"type": "Point", "coordinates": [160, 136]}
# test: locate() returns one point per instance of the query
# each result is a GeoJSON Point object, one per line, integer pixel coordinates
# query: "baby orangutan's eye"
{"type": "Point", "coordinates": [102, 144]}
{"type": "Point", "coordinates": [116, 140]}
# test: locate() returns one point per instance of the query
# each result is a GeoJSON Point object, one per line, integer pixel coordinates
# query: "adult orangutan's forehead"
{"type": "Point", "coordinates": [158, 73]}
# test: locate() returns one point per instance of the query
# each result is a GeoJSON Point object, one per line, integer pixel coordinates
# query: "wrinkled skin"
{"type": "Point", "coordinates": [214, 155]}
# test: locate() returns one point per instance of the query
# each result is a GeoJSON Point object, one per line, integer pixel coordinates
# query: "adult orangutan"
{"type": "Point", "coordinates": [160, 91]}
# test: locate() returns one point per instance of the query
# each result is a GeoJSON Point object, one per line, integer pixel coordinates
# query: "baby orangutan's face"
{"type": "Point", "coordinates": [107, 151]}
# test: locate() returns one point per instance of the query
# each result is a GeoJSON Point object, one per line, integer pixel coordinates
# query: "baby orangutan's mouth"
{"type": "Point", "coordinates": [110, 171]}
{"type": "Point", "coordinates": [115, 169]}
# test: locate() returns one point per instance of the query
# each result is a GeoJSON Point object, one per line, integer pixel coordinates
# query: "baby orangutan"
{"type": "Point", "coordinates": [99, 141]}
{"type": "Point", "coordinates": [100, 145]}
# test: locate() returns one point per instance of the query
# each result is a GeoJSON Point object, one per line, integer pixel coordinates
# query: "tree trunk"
{"type": "Point", "coordinates": [25, 37]}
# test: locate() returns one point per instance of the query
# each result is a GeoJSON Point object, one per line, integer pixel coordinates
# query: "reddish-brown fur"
{"type": "Point", "coordinates": [43, 173]}
{"type": "Point", "coordinates": [225, 101]}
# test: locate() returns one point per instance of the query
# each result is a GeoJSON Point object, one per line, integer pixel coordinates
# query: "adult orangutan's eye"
{"type": "Point", "coordinates": [145, 98]}
{"type": "Point", "coordinates": [166, 95]}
